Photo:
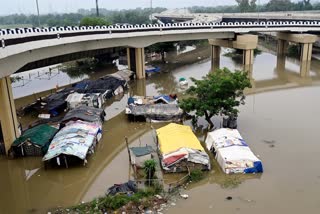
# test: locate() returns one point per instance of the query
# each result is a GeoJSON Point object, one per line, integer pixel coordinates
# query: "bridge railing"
{"type": "Point", "coordinates": [21, 35]}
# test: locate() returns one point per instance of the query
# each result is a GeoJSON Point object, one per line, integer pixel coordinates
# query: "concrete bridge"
{"type": "Point", "coordinates": [184, 15]}
{"type": "Point", "coordinates": [24, 46]}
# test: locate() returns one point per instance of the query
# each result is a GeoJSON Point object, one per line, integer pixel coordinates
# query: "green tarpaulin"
{"type": "Point", "coordinates": [141, 151]}
{"type": "Point", "coordinates": [39, 135]}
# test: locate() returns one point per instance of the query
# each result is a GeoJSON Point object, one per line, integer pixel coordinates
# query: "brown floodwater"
{"type": "Point", "coordinates": [279, 122]}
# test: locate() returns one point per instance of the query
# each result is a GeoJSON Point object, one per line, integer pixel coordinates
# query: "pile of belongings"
{"type": "Point", "coordinates": [232, 152]}
{"type": "Point", "coordinates": [180, 149]}
{"type": "Point", "coordinates": [125, 188]}
{"type": "Point", "coordinates": [33, 142]}
{"type": "Point", "coordinates": [151, 69]}
{"type": "Point", "coordinates": [156, 108]}
{"type": "Point", "coordinates": [75, 139]}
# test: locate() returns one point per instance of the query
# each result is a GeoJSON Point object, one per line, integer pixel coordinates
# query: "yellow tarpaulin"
{"type": "Point", "coordinates": [174, 136]}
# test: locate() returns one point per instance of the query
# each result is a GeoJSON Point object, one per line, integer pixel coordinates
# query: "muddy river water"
{"type": "Point", "coordinates": [280, 122]}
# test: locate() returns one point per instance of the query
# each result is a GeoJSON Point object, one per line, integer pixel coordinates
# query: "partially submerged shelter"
{"type": "Point", "coordinates": [180, 149]}
{"type": "Point", "coordinates": [154, 112]}
{"type": "Point", "coordinates": [232, 152]}
{"type": "Point", "coordinates": [76, 139]}
{"type": "Point", "coordinates": [140, 154]}
{"type": "Point", "coordinates": [33, 142]}
{"type": "Point", "coordinates": [90, 99]}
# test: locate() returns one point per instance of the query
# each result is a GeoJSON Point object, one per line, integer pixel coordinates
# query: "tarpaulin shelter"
{"type": "Point", "coordinates": [232, 152]}
{"type": "Point", "coordinates": [34, 141]}
{"type": "Point", "coordinates": [140, 154]}
{"type": "Point", "coordinates": [155, 112]}
{"type": "Point", "coordinates": [85, 113]}
{"type": "Point", "coordinates": [180, 149]}
{"type": "Point", "coordinates": [105, 85]}
{"type": "Point", "coordinates": [77, 139]}
{"type": "Point", "coordinates": [90, 99]}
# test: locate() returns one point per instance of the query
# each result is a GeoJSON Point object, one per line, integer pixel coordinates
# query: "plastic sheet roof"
{"type": "Point", "coordinates": [174, 136]}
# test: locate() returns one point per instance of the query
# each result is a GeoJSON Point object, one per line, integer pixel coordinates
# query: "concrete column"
{"type": "Point", "coordinates": [282, 48]}
{"type": "Point", "coordinates": [215, 57]}
{"type": "Point", "coordinates": [306, 52]}
{"type": "Point", "coordinates": [8, 116]}
{"type": "Point", "coordinates": [248, 59]}
{"type": "Point", "coordinates": [305, 59]}
{"type": "Point", "coordinates": [281, 63]}
{"type": "Point", "coordinates": [128, 58]}
{"type": "Point", "coordinates": [140, 67]}
{"type": "Point", "coordinates": [135, 57]}
{"type": "Point", "coordinates": [141, 87]}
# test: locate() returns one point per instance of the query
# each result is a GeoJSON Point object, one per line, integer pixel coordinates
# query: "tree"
{"type": "Point", "coordinates": [279, 5]}
{"type": "Point", "coordinates": [219, 93]}
{"type": "Point", "coordinates": [93, 21]}
{"type": "Point", "coordinates": [246, 5]}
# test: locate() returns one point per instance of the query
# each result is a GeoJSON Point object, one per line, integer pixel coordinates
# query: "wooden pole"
{"type": "Point", "coordinates": [128, 149]}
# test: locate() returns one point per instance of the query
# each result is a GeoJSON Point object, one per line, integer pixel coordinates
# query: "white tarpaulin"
{"type": "Point", "coordinates": [232, 152]}
{"type": "Point", "coordinates": [223, 138]}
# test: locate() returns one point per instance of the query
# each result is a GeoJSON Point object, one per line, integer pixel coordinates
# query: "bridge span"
{"type": "Point", "coordinates": [22, 46]}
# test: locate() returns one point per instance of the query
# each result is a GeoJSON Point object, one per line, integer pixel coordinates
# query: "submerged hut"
{"type": "Point", "coordinates": [93, 100]}
{"type": "Point", "coordinates": [154, 108]}
{"type": "Point", "coordinates": [180, 150]}
{"type": "Point", "coordinates": [154, 113]}
{"type": "Point", "coordinates": [139, 155]}
{"type": "Point", "coordinates": [33, 142]}
{"type": "Point", "coordinates": [74, 142]}
{"type": "Point", "coordinates": [232, 152]}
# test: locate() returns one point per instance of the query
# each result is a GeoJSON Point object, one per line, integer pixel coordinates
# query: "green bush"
{"type": "Point", "coordinates": [149, 167]}
{"type": "Point", "coordinates": [196, 175]}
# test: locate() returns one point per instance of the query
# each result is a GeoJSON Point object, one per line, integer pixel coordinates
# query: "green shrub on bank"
{"type": "Point", "coordinates": [115, 202]}
{"type": "Point", "coordinates": [196, 175]}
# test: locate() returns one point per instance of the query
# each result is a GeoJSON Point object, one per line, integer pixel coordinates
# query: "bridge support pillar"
{"type": "Point", "coordinates": [8, 117]}
{"type": "Point", "coordinates": [215, 57]}
{"type": "Point", "coordinates": [306, 41]}
{"type": "Point", "coordinates": [282, 47]}
{"type": "Point", "coordinates": [248, 57]}
{"type": "Point", "coordinates": [135, 58]}
{"type": "Point", "coordinates": [245, 42]}
{"type": "Point", "coordinates": [305, 59]}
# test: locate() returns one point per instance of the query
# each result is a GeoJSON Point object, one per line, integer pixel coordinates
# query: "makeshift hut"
{"type": "Point", "coordinates": [33, 142]}
{"type": "Point", "coordinates": [180, 150]}
{"type": "Point", "coordinates": [139, 155]}
{"type": "Point", "coordinates": [76, 140]}
{"type": "Point", "coordinates": [108, 86]}
{"type": "Point", "coordinates": [154, 112]}
{"type": "Point", "coordinates": [93, 100]}
{"type": "Point", "coordinates": [232, 152]}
